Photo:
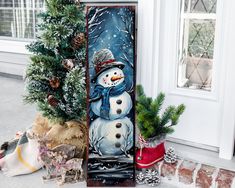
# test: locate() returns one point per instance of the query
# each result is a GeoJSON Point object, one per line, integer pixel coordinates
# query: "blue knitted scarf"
{"type": "Point", "coordinates": [105, 93]}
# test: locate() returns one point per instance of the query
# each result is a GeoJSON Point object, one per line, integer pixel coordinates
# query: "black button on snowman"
{"type": "Point", "coordinates": [112, 132]}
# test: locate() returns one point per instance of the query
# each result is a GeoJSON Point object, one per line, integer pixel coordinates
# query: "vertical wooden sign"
{"type": "Point", "coordinates": [111, 90]}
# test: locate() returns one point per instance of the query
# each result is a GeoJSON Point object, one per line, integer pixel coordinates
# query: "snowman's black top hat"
{"type": "Point", "coordinates": [104, 60]}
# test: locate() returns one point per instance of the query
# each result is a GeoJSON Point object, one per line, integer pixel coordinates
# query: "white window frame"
{"type": "Point", "coordinates": [181, 72]}
{"type": "Point", "coordinates": [173, 88]}
{"type": "Point", "coordinates": [15, 45]}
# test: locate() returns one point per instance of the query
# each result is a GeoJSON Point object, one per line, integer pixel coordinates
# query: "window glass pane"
{"type": "Point", "coordinates": [200, 38]}
{"type": "Point", "coordinates": [6, 3]}
{"type": "Point", "coordinates": [24, 23]}
{"type": "Point", "coordinates": [19, 17]}
{"type": "Point", "coordinates": [38, 20]}
{"type": "Point", "coordinates": [6, 23]}
{"type": "Point", "coordinates": [39, 3]}
{"type": "Point", "coordinates": [197, 35]}
{"type": "Point", "coordinates": [24, 3]}
{"type": "Point", "coordinates": [200, 6]}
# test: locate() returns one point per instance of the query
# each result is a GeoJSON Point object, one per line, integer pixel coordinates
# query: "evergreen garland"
{"type": "Point", "coordinates": [59, 91]}
{"type": "Point", "coordinates": [150, 122]}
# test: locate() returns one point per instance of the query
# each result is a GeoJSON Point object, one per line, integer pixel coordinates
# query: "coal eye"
{"type": "Point", "coordinates": [107, 75]}
{"type": "Point", "coordinates": [115, 72]}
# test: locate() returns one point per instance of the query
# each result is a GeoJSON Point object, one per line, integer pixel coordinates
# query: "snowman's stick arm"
{"type": "Point", "coordinates": [94, 99]}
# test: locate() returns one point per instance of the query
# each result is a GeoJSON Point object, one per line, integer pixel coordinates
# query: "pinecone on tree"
{"type": "Point", "coordinates": [170, 156]}
{"type": "Point", "coordinates": [52, 100]}
{"type": "Point", "coordinates": [54, 82]}
{"type": "Point", "coordinates": [68, 63]}
{"type": "Point", "coordinates": [78, 41]}
{"type": "Point", "coordinates": [140, 178]}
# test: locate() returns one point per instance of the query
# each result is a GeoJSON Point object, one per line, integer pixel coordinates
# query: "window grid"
{"type": "Point", "coordinates": [196, 42]}
{"type": "Point", "coordinates": [18, 19]}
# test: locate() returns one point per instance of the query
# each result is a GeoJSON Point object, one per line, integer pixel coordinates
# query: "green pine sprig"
{"type": "Point", "coordinates": [150, 120]}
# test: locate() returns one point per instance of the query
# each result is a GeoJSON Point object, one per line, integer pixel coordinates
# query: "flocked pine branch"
{"type": "Point", "coordinates": [58, 89]}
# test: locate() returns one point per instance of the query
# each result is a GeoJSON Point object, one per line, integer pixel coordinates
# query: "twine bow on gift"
{"type": "Point", "coordinates": [143, 143]}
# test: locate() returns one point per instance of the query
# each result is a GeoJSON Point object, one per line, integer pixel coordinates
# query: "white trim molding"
{"type": "Point", "coordinates": [227, 138]}
{"type": "Point", "coordinates": [198, 16]}
{"type": "Point", "coordinates": [12, 63]}
{"type": "Point", "coordinates": [12, 46]}
{"type": "Point", "coordinates": [14, 57]}
{"type": "Point", "coordinates": [148, 40]}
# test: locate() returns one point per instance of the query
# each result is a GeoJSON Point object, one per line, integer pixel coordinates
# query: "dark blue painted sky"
{"type": "Point", "coordinates": [113, 28]}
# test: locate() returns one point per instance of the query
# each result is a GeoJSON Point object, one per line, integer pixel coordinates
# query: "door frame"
{"type": "Point", "coordinates": [151, 17]}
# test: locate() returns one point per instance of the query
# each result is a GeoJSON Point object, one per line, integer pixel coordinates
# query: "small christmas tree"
{"type": "Point", "coordinates": [56, 75]}
{"type": "Point", "coordinates": [150, 122]}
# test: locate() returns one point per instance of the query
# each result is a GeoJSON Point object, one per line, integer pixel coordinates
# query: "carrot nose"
{"type": "Point", "coordinates": [114, 78]}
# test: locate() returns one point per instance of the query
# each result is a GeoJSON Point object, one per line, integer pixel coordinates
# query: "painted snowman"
{"type": "Point", "coordinates": [112, 132]}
